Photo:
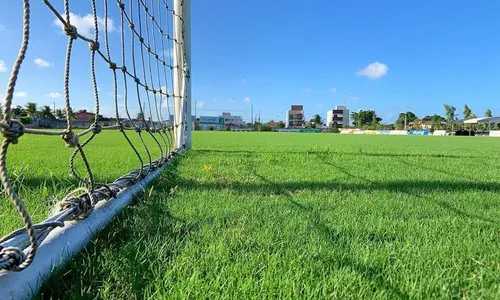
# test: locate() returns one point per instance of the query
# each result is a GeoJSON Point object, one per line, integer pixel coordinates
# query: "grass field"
{"type": "Point", "coordinates": [39, 169]}
{"type": "Point", "coordinates": [283, 215]}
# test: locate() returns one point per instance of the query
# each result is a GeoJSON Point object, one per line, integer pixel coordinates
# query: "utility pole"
{"type": "Point", "coordinates": [405, 120]}
{"type": "Point", "coordinates": [259, 122]}
{"type": "Point", "coordinates": [252, 113]}
{"type": "Point", "coordinates": [54, 108]}
{"type": "Point", "coordinates": [195, 106]}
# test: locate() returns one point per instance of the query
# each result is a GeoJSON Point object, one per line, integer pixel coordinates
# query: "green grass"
{"type": "Point", "coordinates": [39, 170]}
{"type": "Point", "coordinates": [282, 215]}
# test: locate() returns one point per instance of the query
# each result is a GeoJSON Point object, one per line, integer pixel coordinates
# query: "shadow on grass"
{"type": "Point", "coordinates": [143, 232]}
{"type": "Point", "coordinates": [370, 273]}
{"type": "Point", "coordinates": [416, 188]}
{"type": "Point", "coordinates": [340, 239]}
{"type": "Point", "coordinates": [336, 152]}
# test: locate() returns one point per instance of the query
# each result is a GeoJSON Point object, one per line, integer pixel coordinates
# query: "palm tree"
{"type": "Point", "coordinates": [18, 111]}
{"type": "Point", "coordinates": [317, 119]}
{"type": "Point", "coordinates": [59, 114]}
{"type": "Point", "coordinates": [467, 112]}
{"type": "Point", "coordinates": [46, 112]}
{"type": "Point", "coordinates": [31, 109]}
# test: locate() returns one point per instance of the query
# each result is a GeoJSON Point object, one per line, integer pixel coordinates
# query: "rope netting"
{"type": "Point", "coordinates": [152, 60]}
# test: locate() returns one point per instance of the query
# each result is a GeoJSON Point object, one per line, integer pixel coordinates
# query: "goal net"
{"type": "Point", "coordinates": [118, 66]}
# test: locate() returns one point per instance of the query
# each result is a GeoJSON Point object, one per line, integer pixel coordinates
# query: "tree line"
{"type": "Point", "coordinates": [368, 119]}
{"type": "Point", "coordinates": [31, 110]}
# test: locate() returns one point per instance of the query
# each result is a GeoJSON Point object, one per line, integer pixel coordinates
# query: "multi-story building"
{"type": "Point", "coordinates": [236, 121]}
{"type": "Point", "coordinates": [338, 117]}
{"type": "Point", "coordinates": [295, 117]}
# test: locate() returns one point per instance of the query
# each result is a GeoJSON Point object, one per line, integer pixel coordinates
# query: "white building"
{"type": "Point", "coordinates": [232, 120]}
{"type": "Point", "coordinates": [339, 117]}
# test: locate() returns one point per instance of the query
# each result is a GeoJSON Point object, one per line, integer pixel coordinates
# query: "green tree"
{"type": "Point", "coordinates": [488, 113]}
{"type": "Point", "coordinates": [365, 118]}
{"type": "Point", "coordinates": [467, 112]}
{"type": "Point", "coordinates": [356, 121]}
{"type": "Point", "coordinates": [46, 112]}
{"type": "Point", "coordinates": [18, 111]}
{"type": "Point", "coordinates": [31, 109]}
{"type": "Point", "coordinates": [59, 114]}
{"type": "Point", "coordinates": [450, 112]}
{"type": "Point", "coordinates": [140, 116]}
{"type": "Point", "coordinates": [317, 119]}
{"type": "Point", "coordinates": [280, 124]}
{"type": "Point", "coordinates": [400, 122]}
{"type": "Point", "coordinates": [436, 120]}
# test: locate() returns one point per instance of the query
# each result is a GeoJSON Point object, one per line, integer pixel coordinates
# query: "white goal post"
{"type": "Point", "coordinates": [182, 83]}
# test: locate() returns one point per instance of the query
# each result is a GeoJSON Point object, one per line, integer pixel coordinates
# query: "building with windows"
{"type": "Point", "coordinates": [230, 121]}
{"type": "Point", "coordinates": [337, 117]}
{"type": "Point", "coordinates": [295, 117]}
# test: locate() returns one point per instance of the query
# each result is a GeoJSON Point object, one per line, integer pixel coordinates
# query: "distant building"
{"type": "Point", "coordinates": [205, 122]}
{"type": "Point", "coordinates": [338, 117]}
{"type": "Point", "coordinates": [83, 116]}
{"type": "Point", "coordinates": [295, 117]}
{"type": "Point", "coordinates": [272, 123]}
{"type": "Point", "coordinates": [229, 120]}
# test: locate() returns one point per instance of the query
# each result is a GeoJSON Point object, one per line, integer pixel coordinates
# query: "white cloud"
{"type": "Point", "coordinates": [230, 100]}
{"type": "Point", "coordinates": [3, 68]}
{"type": "Point", "coordinates": [199, 104]}
{"type": "Point", "coordinates": [247, 100]}
{"type": "Point", "coordinates": [320, 105]}
{"type": "Point", "coordinates": [333, 90]}
{"type": "Point", "coordinates": [20, 94]}
{"type": "Point", "coordinates": [374, 70]}
{"type": "Point", "coordinates": [85, 24]}
{"type": "Point", "coordinates": [53, 95]}
{"type": "Point", "coordinates": [308, 90]}
{"type": "Point", "coordinates": [42, 63]}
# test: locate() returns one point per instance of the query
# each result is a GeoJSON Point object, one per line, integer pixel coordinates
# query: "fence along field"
{"type": "Point", "coordinates": [149, 67]}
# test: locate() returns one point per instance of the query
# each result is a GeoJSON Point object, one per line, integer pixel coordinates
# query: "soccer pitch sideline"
{"type": "Point", "coordinates": [284, 215]}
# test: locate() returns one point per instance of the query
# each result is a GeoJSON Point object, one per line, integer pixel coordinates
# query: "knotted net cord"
{"type": "Point", "coordinates": [152, 62]}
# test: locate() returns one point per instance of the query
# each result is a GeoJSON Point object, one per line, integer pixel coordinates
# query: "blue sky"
{"type": "Point", "coordinates": [390, 56]}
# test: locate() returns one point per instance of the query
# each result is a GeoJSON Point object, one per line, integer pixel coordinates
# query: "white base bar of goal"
{"type": "Point", "coordinates": [62, 243]}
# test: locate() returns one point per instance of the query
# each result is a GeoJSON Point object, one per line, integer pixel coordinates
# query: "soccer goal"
{"type": "Point", "coordinates": [122, 69]}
